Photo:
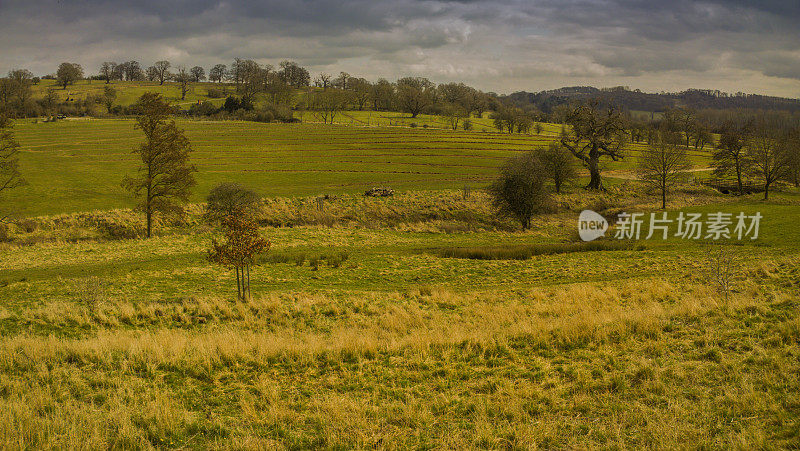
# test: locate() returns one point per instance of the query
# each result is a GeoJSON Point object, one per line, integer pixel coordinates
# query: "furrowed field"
{"type": "Point", "coordinates": [362, 332]}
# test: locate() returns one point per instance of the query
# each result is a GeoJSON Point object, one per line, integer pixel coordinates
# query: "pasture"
{"type": "Point", "coordinates": [360, 335]}
{"type": "Point", "coordinates": [77, 165]}
{"type": "Point", "coordinates": [368, 327]}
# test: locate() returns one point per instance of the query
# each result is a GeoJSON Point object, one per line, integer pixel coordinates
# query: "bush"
{"type": "Point", "coordinates": [215, 93]}
{"type": "Point", "coordinates": [467, 125]}
{"type": "Point", "coordinates": [520, 190]}
{"type": "Point", "coordinates": [116, 231]}
{"type": "Point", "coordinates": [205, 108]}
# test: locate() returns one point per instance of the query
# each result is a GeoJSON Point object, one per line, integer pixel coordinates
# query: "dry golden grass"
{"type": "Point", "coordinates": [576, 366]}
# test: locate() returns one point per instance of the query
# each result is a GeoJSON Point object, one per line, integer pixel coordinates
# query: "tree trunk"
{"type": "Point", "coordinates": [739, 179]}
{"type": "Point", "coordinates": [595, 183]}
{"type": "Point", "coordinates": [149, 215]}
{"type": "Point", "coordinates": [249, 294]}
{"type": "Point", "coordinates": [663, 196]}
{"type": "Point", "coordinates": [766, 191]}
{"type": "Point", "coordinates": [238, 285]}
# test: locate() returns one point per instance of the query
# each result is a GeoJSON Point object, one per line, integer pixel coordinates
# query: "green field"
{"type": "Point", "coordinates": [361, 331]}
{"type": "Point", "coordinates": [77, 165]}
{"type": "Point", "coordinates": [138, 343]}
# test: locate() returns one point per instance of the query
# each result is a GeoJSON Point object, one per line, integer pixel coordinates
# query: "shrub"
{"type": "Point", "coordinates": [215, 93]}
{"type": "Point", "coordinates": [116, 231]}
{"type": "Point", "coordinates": [205, 108]}
{"type": "Point", "coordinates": [520, 191]}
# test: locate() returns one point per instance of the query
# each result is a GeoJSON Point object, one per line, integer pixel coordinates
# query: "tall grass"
{"type": "Point", "coordinates": [635, 364]}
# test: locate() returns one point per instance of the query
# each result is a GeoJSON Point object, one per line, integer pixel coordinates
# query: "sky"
{"type": "Point", "coordinates": [500, 46]}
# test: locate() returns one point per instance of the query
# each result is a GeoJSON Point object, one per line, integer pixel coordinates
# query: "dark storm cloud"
{"type": "Point", "coordinates": [500, 45]}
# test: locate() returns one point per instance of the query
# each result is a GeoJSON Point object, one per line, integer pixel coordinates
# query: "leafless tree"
{"type": "Point", "coordinates": [661, 166]}
{"type": "Point", "coordinates": [323, 80]}
{"type": "Point", "coordinates": [414, 94]}
{"type": "Point", "coordinates": [198, 73]}
{"type": "Point", "coordinates": [594, 133]}
{"type": "Point", "coordinates": [217, 73]}
{"type": "Point", "coordinates": [107, 70]}
{"type": "Point", "coordinates": [183, 78]}
{"type": "Point", "coordinates": [770, 153]}
{"type": "Point", "coordinates": [10, 176]}
{"type": "Point", "coordinates": [162, 71]}
{"type": "Point", "coordinates": [325, 105]}
{"type": "Point", "coordinates": [558, 164]}
{"type": "Point", "coordinates": [730, 156]}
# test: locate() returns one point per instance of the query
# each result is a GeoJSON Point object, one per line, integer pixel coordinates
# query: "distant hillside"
{"type": "Point", "coordinates": [642, 101]}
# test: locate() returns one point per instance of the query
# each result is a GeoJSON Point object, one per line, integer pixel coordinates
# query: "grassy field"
{"type": "Point", "coordinates": [128, 92]}
{"type": "Point", "coordinates": [368, 327]}
{"type": "Point", "coordinates": [77, 165]}
{"type": "Point", "coordinates": [138, 343]}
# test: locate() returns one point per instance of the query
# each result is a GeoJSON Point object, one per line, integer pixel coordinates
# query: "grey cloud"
{"type": "Point", "coordinates": [496, 45]}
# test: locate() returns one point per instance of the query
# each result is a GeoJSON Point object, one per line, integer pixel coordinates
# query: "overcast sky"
{"type": "Point", "coordinates": [501, 46]}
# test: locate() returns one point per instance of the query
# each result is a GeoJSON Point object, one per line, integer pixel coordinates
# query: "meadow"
{"type": "Point", "coordinates": [361, 335]}
{"type": "Point", "coordinates": [423, 320]}
{"type": "Point", "coordinates": [77, 165]}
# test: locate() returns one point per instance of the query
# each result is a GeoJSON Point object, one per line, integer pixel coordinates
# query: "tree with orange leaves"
{"type": "Point", "coordinates": [243, 243]}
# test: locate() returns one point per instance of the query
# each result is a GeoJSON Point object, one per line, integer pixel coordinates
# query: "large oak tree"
{"type": "Point", "coordinates": [594, 133]}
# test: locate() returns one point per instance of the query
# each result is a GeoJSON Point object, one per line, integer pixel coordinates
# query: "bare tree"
{"type": "Point", "coordinates": [454, 114]}
{"type": "Point", "coordinates": [362, 91]}
{"type": "Point", "coordinates": [558, 164]}
{"type": "Point", "coordinates": [722, 271]}
{"type": "Point", "coordinates": [325, 105]}
{"type": "Point", "coordinates": [107, 71]}
{"type": "Point", "coordinates": [794, 157]}
{"type": "Point", "coordinates": [770, 153]}
{"type": "Point", "coordinates": [414, 94]}
{"type": "Point", "coordinates": [227, 199]}
{"type": "Point", "coordinates": [198, 73]}
{"type": "Point", "coordinates": [183, 78]}
{"type": "Point", "coordinates": [165, 174]}
{"type": "Point", "coordinates": [661, 166]}
{"type": "Point", "coordinates": [383, 95]}
{"type": "Point", "coordinates": [217, 73]}
{"type": "Point", "coordinates": [19, 85]}
{"type": "Point", "coordinates": [161, 71]}
{"type": "Point", "coordinates": [294, 74]}
{"type": "Point", "coordinates": [323, 80]}
{"type": "Point", "coordinates": [594, 133]}
{"type": "Point", "coordinates": [10, 176]}
{"type": "Point", "coordinates": [730, 155]}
